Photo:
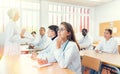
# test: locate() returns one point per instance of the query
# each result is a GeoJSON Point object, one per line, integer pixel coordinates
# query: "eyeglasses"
{"type": "Point", "coordinates": [61, 29]}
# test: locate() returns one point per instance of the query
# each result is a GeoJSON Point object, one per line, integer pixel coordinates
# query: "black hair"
{"type": "Point", "coordinates": [54, 28]}
{"type": "Point", "coordinates": [33, 32]}
{"type": "Point", "coordinates": [84, 30]}
{"type": "Point", "coordinates": [109, 30]}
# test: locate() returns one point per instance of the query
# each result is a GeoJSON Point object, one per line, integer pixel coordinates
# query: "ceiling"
{"type": "Point", "coordinates": [89, 3]}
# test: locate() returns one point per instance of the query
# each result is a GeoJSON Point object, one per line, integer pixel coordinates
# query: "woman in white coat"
{"type": "Point", "coordinates": [66, 51]}
{"type": "Point", "coordinates": [12, 35]}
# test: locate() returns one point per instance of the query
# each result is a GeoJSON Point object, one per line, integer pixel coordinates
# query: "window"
{"type": "Point", "coordinates": [79, 17]}
{"type": "Point", "coordinates": [29, 14]}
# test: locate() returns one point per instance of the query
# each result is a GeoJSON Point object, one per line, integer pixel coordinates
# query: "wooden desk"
{"type": "Point", "coordinates": [25, 50]}
{"type": "Point", "coordinates": [24, 65]}
{"type": "Point", "coordinates": [106, 58]}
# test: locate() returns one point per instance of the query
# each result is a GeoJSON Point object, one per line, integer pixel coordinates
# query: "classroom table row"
{"type": "Point", "coordinates": [105, 58]}
{"type": "Point", "coordinates": [23, 64]}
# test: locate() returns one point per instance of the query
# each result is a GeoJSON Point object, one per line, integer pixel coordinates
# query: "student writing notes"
{"type": "Point", "coordinates": [66, 49]}
{"type": "Point", "coordinates": [52, 33]}
{"type": "Point", "coordinates": [43, 42]}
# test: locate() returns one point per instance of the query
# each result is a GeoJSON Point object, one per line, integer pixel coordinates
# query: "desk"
{"type": "Point", "coordinates": [106, 58]}
{"type": "Point", "coordinates": [25, 50]}
{"type": "Point", "coordinates": [24, 65]}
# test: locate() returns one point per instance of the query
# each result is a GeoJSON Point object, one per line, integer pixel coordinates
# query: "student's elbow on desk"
{"type": "Point", "coordinates": [63, 65]}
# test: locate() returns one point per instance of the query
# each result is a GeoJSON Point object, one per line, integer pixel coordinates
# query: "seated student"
{"type": "Point", "coordinates": [32, 37]}
{"type": "Point", "coordinates": [52, 33]}
{"type": "Point", "coordinates": [43, 42]}
{"type": "Point", "coordinates": [27, 37]}
{"type": "Point", "coordinates": [108, 45]}
{"type": "Point", "coordinates": [66, 49]}
{"type": "Point", "coordinates": [85, 42]}
{"type": "Point", "coordinates": [33, 33]}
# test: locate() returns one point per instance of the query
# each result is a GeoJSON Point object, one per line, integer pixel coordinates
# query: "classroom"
{"type": "Point", "coordinates": [59, 37]}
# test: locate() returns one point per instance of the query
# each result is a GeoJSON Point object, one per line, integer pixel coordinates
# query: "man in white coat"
{"type": "Point", "coordinates": [85, 42]}
{"type": "Point", "coordinates": [43, 43]}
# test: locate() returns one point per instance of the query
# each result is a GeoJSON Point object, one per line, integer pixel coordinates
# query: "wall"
{"type": "Point", "coordinates": [44, 16]}
{"type": "Point", "coordinates": [105, 13]}
{"type": "Point", "coordinates": [44, 13]}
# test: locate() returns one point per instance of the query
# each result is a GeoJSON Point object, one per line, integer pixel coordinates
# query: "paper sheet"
{"type": "Point", "coordinates": [39, 66]}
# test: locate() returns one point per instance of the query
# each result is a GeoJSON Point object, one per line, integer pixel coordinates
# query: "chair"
{"type": "Point", "coordinates": [92, 63]}
{"type": "Point", "coordinates": [112, 69]}
{"type": "Point", "coordinates": [119, 49]}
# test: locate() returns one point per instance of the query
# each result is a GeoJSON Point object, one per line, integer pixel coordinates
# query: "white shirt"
{"type": "Point", "coordinates": [12, 39]}
{"type": "Point", "coordinates": [109, 46]}
{"type": "Point", "coordinates": [68, 57]}
{"type": "Point", "coordinates": [86, 42]}
{"type": "Point", "coordinates": [43, 43]}
{"type": "Point", "coordinates": [28, 38]}
{"type": "Point", "coordinates": [47, 53]}
{"type": "Point", "coordinates": [36, 40]}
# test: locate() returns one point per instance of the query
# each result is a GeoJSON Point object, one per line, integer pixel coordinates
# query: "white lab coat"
{"type": "Point", "coordinates": [109, 46]}
{"type": "Point", "coordinates": [86, 42]}
{"type": "Point", "coordinates": [68, 57]}
{"type": "Point", "coordinates": [43, 43]}
{"type": "Point", "coordinates": [12, 39]}
{"type": "Point", "coordinates": [47, 53]}
{"type": "Point", "coordinates": [28, 38]}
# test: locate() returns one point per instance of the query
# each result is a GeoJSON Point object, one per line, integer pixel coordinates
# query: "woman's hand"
{"type": "Point", "coordinates": [22, 33]}
{"type": "Point", "coordinates": [59, 42]}
{"type": "Point", "coordinates": [42, 61]}
{"type": "Point", "coordinates": [98, 51]}
{"type": "Point", "coordinates": [31, 46]}
{"type": "Point", "coordinates": [34, 56]}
